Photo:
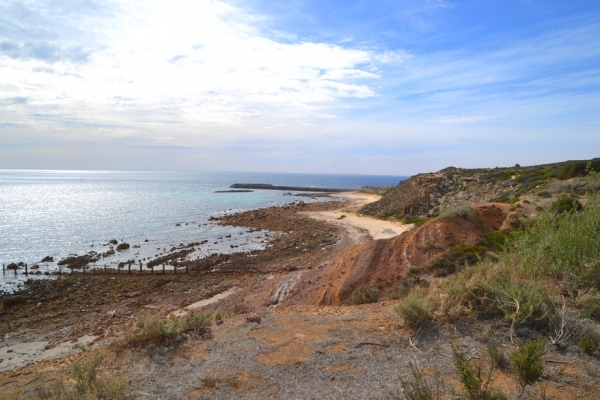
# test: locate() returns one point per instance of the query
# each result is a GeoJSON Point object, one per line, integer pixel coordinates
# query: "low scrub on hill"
{"type": "Point", "coordinates": [554, 256]}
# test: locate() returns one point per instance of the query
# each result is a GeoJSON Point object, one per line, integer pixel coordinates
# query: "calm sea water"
{"type": "Point", "coordinates": [58, 213]}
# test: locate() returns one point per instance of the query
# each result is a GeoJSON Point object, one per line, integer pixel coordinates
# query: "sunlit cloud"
{"type": "Point", "coordinates": [215, 78]}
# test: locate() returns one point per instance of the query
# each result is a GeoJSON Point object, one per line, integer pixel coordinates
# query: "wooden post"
{"type": "Point", "coordinates": [140, 267]}
{"type": "Point", "coordinates": [175, 269]}
{"type": "Point", "coordinates": [26, 271]}
{"type": "Point", "coordinates": [104, 269]}
{"type": "Point", "coordinates": [129, 269]}
{"type": "Point", "coordinates": [3, 269]}
{"type": "Point", "coordinates": [163, 269]}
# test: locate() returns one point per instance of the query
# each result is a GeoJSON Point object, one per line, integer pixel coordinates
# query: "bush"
{"type": "Point", "coordinates": [497, 357]}
{"type": "Point", "coordinates": [414, 308]}
{"type": "Point", "coordinates": [589, 341]}
{"type": "Point", "coordinates": [365, 294]}
{"type": "Point", "coordinates": [467, 254]}
{"type": "Point", "coordinates": [199, 319]}
{"type": "Point", "coordinates": [87, 384]}
{"type": "Point", "coordinates": [566, 204]}
{"type": "Point", "coordinates": [588, 301]}
{"type": "Point", "coordinates": [423, 389]}
{"type": "Point", "coordinates": [528, 361]}
{"type": "Point", "coordinates": [564, 245]}
{"type": "Point", "coordinates": [85, 374]}
{"type": "Point", "coordinates": [153, 331]}
{"type": "Point", "coordinates": [475, 378]}
{"type": "Point", "coordinates": [442, 266]}
{"type": "Point", "coordinates": [497, 240]}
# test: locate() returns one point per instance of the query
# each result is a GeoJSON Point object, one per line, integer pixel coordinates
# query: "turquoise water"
{"type": "Point", "coordinates": [58, 213]}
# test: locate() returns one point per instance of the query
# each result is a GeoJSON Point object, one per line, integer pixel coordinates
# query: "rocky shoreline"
{"type": "Point", "coordinates": [77, 304]}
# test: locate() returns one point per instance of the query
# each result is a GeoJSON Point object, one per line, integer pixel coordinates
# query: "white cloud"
{"type": "Point", "coordinates": [184, 62]}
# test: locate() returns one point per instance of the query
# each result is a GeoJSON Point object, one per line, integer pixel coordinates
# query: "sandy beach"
{"type": "Point", "coordinates": [357, 225]}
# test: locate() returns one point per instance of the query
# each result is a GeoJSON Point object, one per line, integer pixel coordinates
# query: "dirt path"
{"type": "Point", "coordinates": [358, 225]}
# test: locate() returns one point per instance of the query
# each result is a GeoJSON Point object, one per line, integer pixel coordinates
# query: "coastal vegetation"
{"type": "Point", "coordinates": [544, 283]}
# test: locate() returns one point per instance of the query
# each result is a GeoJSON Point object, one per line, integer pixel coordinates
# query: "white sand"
{"type": "Point", "coordinates": [376, 228]}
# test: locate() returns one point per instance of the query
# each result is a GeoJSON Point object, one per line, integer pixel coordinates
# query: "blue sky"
{"type": "Point", "coordinates": [386, 87]}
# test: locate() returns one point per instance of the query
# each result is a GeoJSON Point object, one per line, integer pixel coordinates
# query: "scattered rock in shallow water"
{"type": "Point", "coordinates": [123, 246]}
{"type": "Point", "coordinates": [47, 259]}
{"type": "Point", "coordinates": [75, 262]}
{"type": "Point", "coordinates": [113, 241]}
{"type": "Point", "coordinates": [12, 266]}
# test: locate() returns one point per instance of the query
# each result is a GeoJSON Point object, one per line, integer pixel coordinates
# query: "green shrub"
{"type": "Point", "coordinates": [365, 294]}
{"type": "Point", "coordinates": [475, 378]}
{"type": "Point", "coordinates": [85, 374]}
{"type": "Point", "coordinates": [497, 357]}
{"type": "Point", "coordinates": [199, 319]}
{"type": "Point", "coordinates": [528, 361]}
{"type": "Point", "coordinates": [422, 388]}
{"type": "Point", "coordinates": [566, 204]}
{"type": "Point", "coordinates": [564, 245]}
{"type": "Point", "coordinates": [442, 266]}
{"type": "Point", "coordinates": [153, 331]}
{"type": "Point", "coordinates": [589, 341]}
{"type": "Point", "coordinates": [467, 254]}
{"type": "Point", "coordinates": [578, 169]}
{"type": "Point", "coordinates": [414, 308]}
{"type": "Point", "coordinates": [588, 301]}
{"type": "Point", "coordinates": [496, 241]}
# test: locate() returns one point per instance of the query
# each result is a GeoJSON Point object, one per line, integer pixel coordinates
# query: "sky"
{"type": "Point", "coordinates": [387, 87]}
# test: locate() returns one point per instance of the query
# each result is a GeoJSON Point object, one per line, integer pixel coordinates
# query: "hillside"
{"type": "Point", "coordinates": [429, 194]}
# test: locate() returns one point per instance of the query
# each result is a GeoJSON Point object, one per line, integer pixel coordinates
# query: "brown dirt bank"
{"type": "Point", "coordinates": [385, 262]}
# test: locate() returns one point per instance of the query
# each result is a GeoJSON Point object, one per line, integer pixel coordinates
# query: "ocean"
{"type": "Point", "coordinates": [60, 213]}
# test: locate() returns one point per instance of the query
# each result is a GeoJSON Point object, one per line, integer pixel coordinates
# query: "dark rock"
{"type": "Point", "coordinates": [123, 246]}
